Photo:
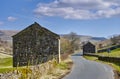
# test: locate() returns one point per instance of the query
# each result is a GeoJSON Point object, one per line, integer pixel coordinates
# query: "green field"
{"type": "Point", "coordinates": [5, 63]}
{"type": "Point", "coordinates": [113, 53]}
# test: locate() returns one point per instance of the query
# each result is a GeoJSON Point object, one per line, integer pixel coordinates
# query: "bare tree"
{"type": "Point", "coordinates": [74, 40]}
{"type": "Point", "coordinates": [65, 45]}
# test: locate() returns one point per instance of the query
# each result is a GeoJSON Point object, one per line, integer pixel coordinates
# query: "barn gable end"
{"type": "Point", "coordinates": [89, 48]}
{"type": "Point", "coordinates": [34, 45]}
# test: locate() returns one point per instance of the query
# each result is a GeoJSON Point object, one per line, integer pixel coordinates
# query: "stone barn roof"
{"type": "Point", "coordinates": [88, 43]}
{"type": "Point", "coordinates": [37, 26]}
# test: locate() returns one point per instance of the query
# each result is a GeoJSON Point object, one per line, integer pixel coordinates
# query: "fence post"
{"type": "Point", "coordinates": [59, 58]}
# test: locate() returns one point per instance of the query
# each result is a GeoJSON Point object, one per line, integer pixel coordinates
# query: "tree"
{"type": "Point", "coordinates": [65, 45]}
{"type": "Point", "coordinates": [74, 40]}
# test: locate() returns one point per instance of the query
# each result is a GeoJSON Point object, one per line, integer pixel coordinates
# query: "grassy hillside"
{"type": "Point", "coordinates": [5, 62]}
{"type": "Point", "coordinates": [113, 53]}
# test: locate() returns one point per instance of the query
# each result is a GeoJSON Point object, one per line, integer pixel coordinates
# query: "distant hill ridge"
{"type": "Point", "coordinates": [7, 36]}
{"type": "Point", "coordinates": [88, 38]}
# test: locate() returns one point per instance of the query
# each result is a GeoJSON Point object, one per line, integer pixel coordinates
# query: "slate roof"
{"type": "Point", "coordinates": [36, 25]}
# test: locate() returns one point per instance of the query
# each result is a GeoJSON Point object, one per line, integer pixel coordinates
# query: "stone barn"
{"type": "Point", "coordinates": [89, 48]}
{"type": "Point", "coordinates": [34, 45]}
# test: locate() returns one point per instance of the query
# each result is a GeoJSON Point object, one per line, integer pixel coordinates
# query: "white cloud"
{"type": "Point", "coordinates": [79, 9]}
{"type": "Point", "coordinates": [10, 18]}
{"type": "Point", "coordinates": [1, 23]}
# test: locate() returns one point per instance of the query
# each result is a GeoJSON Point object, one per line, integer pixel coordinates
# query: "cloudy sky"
{"type": "Point", "coordinates": [85, 17]}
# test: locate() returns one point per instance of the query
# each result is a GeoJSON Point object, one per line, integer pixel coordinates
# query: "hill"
{"type": "Point", "coordinates": [84, 38]}
{"type": "Point", "coordinates": [6, 35]}
{"type": "Point", "coordinates": [6, 41]}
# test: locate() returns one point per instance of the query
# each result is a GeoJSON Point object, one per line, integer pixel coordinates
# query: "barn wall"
{"type": "Point", "coordinates": [34, 46]}
{"type": "Point", "coordinates": [89, 48]}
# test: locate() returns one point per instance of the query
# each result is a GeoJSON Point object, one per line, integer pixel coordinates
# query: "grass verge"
{"type": "Point", "coordinates": [115, 66]}
{"type": "Point", "coordinates": [48, 70]}
{"type": "Point", "coordinates": [91, 58]}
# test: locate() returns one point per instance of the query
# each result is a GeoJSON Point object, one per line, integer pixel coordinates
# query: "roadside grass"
{"type": "Point", "coordinates": [113, 53]}
{"type": "Point", "coordinates": [91, 58]}
{"type": "Point", "coordinates": [57, 70]}
{"type": "Point", "coordinates": [62, 65]}
{"type": "Point", "coordinates": [54, 69]}
{"type": "Point", "coordinates": [4, 70]}
{"type": "Point", "coordinates": [116, 66]}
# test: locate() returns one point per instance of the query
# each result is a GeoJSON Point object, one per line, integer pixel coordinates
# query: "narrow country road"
{"type": "Point", "coordinates": [85, 69]}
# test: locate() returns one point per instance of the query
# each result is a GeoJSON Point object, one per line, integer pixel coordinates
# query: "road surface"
{"type": "Point", "coordinates": [85, 69]}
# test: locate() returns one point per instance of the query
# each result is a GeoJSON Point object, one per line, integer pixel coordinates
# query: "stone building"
{"type": "Point", "coordinates": [34, 45]}
{"type": "Point", "coordinates": [89, 48]}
